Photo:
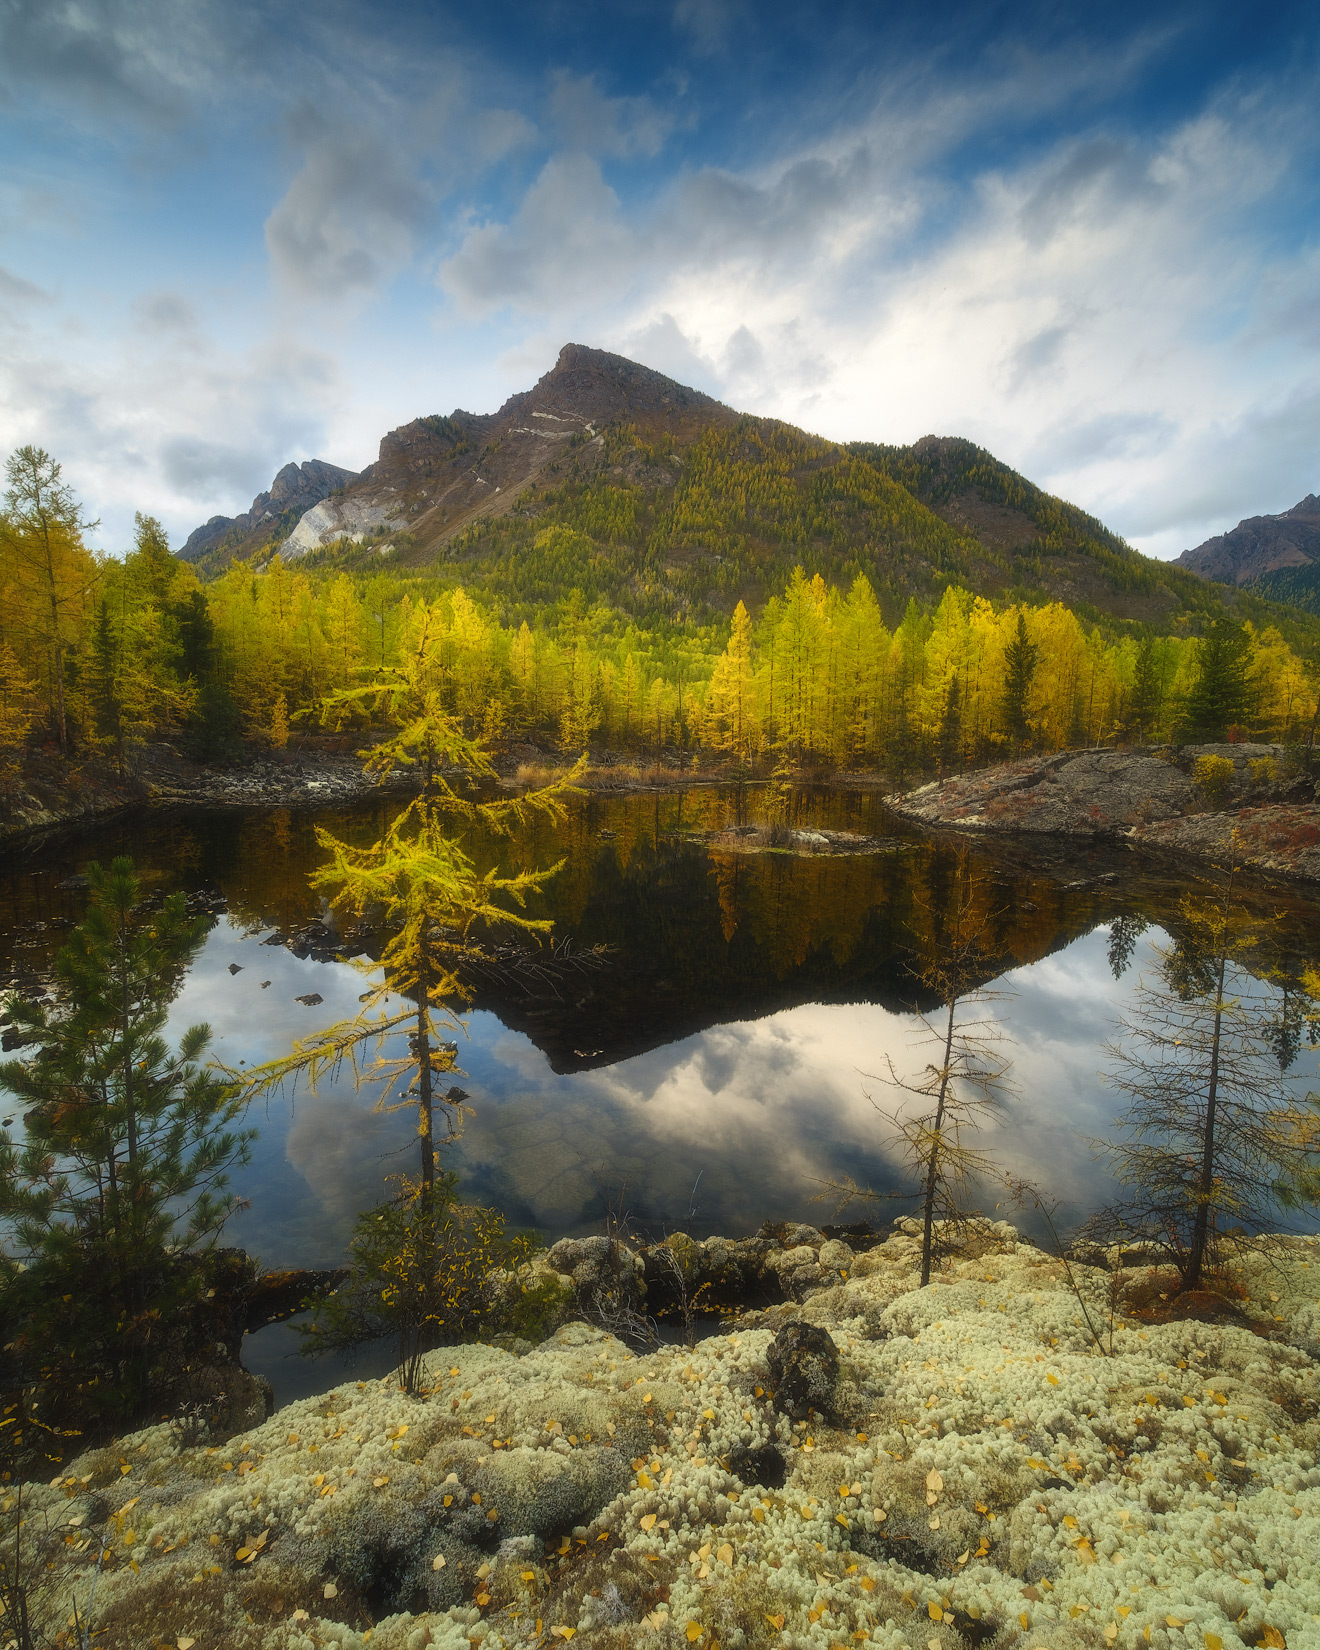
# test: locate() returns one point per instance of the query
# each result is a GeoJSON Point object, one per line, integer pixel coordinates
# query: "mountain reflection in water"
{"type": "Point", "coordinates": [719, 1070]}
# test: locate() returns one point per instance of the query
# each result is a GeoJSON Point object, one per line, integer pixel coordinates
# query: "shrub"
{"type": "Point", "coordinates": [430, 1271]}
{"type": "Point", "coordinates": [1264, 770]}
{"type": "Point", "coordinates": [1215, 776]}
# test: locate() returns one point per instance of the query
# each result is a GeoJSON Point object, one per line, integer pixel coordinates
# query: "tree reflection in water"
{"type": "Point", "coordinates": [747, 992]}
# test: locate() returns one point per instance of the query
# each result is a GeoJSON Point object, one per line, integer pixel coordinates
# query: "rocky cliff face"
{"type": "Point", "coordinates": [438, 475]}
{"type": "Point", "coordinates": [1261, 544]}
{"type": "Point", "coordinates": [294, 490]}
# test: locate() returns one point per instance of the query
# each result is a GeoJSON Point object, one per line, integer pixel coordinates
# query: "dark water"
{"type": "Point", "coordinates": [720, 1070]}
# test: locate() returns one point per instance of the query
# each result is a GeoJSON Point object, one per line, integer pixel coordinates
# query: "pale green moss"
{"type": "Point", "coordinates": [994, 1466]}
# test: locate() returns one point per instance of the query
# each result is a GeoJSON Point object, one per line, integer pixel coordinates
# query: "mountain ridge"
{"type": "Point", "coordinates": [1259, 545]}
{"type": "Point", "coordinates": [295, 489]}
{"type": "Point", "coordinates": [612, 481]}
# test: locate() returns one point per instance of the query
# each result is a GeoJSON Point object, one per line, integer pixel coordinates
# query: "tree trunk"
{"type": "Point", "coordinates": [61, 725]}
{"type": "Point", "coordinates": [424, 1123]}
{"type": "Point", "coordinates": [1206, 1182]}
{"type": "Point", "coordinates": [932, 1168]}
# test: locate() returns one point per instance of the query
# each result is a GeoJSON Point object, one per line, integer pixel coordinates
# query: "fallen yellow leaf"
{"type": "Point", "coordinates": [438, 1562]}
{"type": "Point", "coordinates": [648, 1523]}
{"type": "Point", "coordinates": [329, 1590]}
{"type": "Point", "coordinates": [380, 1483]}
{"type": "Point", "coordinates": [693, 1631]}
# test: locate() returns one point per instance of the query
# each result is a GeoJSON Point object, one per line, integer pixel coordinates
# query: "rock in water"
{"type": "Point", "coordinates": [804, 1368]}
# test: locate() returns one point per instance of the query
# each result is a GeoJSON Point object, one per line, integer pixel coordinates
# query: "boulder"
{"type": "Point", "coordinates": [804, 1370]}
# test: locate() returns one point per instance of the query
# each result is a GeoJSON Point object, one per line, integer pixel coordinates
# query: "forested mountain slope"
{"type": "Point", "coordinates": [610, 483]}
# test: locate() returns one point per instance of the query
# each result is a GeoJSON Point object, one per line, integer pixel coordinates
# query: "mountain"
{"type": "Point", "coordinates": [609, 483]}
{"type": "Point", "coordinates": [294, 491]}
{"type": "Point", "coordinates": [1260, 545]}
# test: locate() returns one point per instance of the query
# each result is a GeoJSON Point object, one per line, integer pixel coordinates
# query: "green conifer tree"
{"type": "Point", "coordinates": [1221, 694]}
{"type": "Point", "coordinates": [123, 1164]}
{"type": "Point", "coordinates": [1021, 657]}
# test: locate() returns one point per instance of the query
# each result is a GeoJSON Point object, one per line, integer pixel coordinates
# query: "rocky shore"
{"type": "Point", "coordinates": [1021, 1454]}
{"type": "Point", "coordinates": [1154, 798]}
{"type": "Point", "coordinates": [52, 794]}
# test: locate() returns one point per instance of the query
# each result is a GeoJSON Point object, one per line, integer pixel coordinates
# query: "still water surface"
{"type": "Point", "coordinates": [719, 1071]}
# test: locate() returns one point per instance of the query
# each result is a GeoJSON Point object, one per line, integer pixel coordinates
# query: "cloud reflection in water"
{"type": "Point", "coordinates": [765, 1111]}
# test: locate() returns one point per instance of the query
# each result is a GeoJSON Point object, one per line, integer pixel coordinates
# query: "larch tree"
{"type": "Point", "coordinates": [42, 529]}
{"type": "Point", "coordinates": [966, 1081]}
{"type": "Point", "coordinates": [15, 709]}
{"type": "Point", "coordinates": [732, 722]}
{"type": "Point", "coordinates": [1212, 1143]}
{"type": "Point", "coordinates": [421, 884]}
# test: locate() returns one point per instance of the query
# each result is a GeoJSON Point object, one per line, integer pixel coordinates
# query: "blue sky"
{"type": "Point", "coordinates": [235, 234]}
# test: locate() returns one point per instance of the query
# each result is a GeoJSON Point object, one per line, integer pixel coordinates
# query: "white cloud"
{"type": "Point", "coordinates": [15, 290]}
{"type": "Point", "coordinates": [152, 414]}
{"type": "Point", "coordinates": [1114, 318]}
{"type": "Point", "coordinates": [566, 248]}
{"type": "Point", "coordinates": [708, 23]}
{"type": "Point", "coordinates": [348, 218]}
{"type": "Point", "coordinates": [130, 60]}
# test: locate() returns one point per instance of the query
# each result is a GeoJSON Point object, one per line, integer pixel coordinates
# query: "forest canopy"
{"type": "Point", "coordinates": [100, 654]}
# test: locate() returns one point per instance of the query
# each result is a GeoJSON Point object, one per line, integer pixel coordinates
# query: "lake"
{"type": "Point", "coordinates": [723, 1066]}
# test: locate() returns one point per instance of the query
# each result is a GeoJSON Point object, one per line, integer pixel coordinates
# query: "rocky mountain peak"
{"type": "Point", "coordinates": [594, 385]}
{"type": "Point", "coordinates": [1260, 544]}
{"type": "Point", "coordinates": [297, 487]}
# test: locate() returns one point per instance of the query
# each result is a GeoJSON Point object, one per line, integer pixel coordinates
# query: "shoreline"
{"type": "Point", "coordinates": [1147, 799]}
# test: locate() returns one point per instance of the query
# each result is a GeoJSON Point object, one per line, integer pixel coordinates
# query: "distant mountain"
{"type": "Point", "coordinates": [1260, 545]}
{"type": "Point", "coordinates": [294, 491]}
{"type": "Point", "coordinates": [608, 482]}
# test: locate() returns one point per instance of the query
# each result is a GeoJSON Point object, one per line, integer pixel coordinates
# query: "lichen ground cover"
{"type": "Point", "coordinates": [989, 1477]}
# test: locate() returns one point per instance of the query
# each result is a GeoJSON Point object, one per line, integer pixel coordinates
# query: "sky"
{"type": "Point", "coordinates": [235, 234]}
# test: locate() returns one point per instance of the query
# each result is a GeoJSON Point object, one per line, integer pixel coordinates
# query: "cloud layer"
{"type": "Point", "coordinates": [232, 241]}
